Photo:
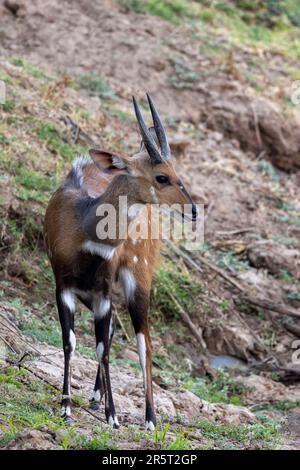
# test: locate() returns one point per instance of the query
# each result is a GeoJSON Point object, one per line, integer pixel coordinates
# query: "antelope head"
{"type": "Point", "coordinates": [153, 178]}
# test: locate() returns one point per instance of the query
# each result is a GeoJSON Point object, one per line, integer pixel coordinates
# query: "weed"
{"type": "Point", "coordinates": [29, 68]}
{"type": "Point", "coordinates": [284, 405]}
{"type": "Point", "coordinates": [180, 284]}
{"type": "Point", "coordinates": [230, 261]}
{"type": "Point", "coordinates": [223, 389]}
{"type": "Point", "coordinates": [170, 10]}
{"type": "Point", "coordinates": [8, 106]}
{"type": "Point", "coordinates": [268, 170]}
{"type": "Point", "coordinates": [293, 296]}
{"type": "Point", "coordinates": [49, 134]}
{"type": "Point", "coordinates": [265, 435]}
{"type": "Point", "coordinates": [95, 85]}
{"type": "Point", "coordinates": [159, 436]}
{"type": "Point", "coordinates": [184, 76]}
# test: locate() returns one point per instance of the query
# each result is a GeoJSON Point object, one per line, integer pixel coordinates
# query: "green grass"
{"type": "Point", "coordinates": [229, 260]}
{"type": "Point", "coordinates": [95, 85]}
{"type": "Point", "coordinates": [164, 442]}
{"type": "Point", "coordinates": [9, 106]}
{"type": "Point", "coordinates": [284, 405]}
{"type": "Point", "coordinates": [263, 435]}
{"type": "Point", "coordinates": [223, 389]}
{"type": "Point", "coordinates": [50, 135]}
{"type": "Point", "coordinates": [29, 69]}
{"type": "Point", "coordinates": [170, 279]}
{"type": "Point", "coordinates": [27, 403]}
{"type": "Point", "coordinates": [170, 10]}
{"type": "Point", "coordinates": [184, 77]}
{"type": "Point", "coordinates": [268, 169]}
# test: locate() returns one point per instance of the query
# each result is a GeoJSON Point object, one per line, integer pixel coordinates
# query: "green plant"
{"type": "Point", "coordinates": [160, 435]}
{"type": "Point", "coordinates": [8, 106]}
{"type": "Point", "coordinates": [95, 85]}
{"type": "Point", "coordinates": [170, 282]}
{"type": "Point", "coordinates": [184, 76]}
{"type": "Point", "coordinates": [29, 68]}
{"type": "Point", "coordinates": [223, 389]}
{"type": "Point", "coordinates": [268, 169]}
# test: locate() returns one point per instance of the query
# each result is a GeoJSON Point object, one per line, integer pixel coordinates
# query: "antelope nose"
{"type": "Point", "coordinates": [194, 212]}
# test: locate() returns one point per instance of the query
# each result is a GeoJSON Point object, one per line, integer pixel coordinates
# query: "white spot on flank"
{"type": "Point", "coordinates": [149, 426]}
{"type": "Point", "coordinates": [68, 299]}
{"type": "Point", "coordinates": [128, 282]}
{"type": "Point", "coordinates": [101, 307]}
{"type": "Point", "coordinates": [141, 345]}
{"type": "Point", "coordinates": [72, 339]}
{"type": "Point", "coordinates": [100, 249]}
{"type": "Point", "coordinates": [135, 259]}
{"type": "Point", "coordinates": [99, 351]}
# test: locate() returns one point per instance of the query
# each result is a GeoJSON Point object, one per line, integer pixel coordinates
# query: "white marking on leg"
{"type": "Point", "coordinates": [111, 328]}
{"type": "Point", "coordinates": [65, 411]}
{"type": "Point", "coordinates": [128, 282]}
{"type": "Point", "coordinates": [141, 345]}
{"type": "Point", "coordinates": [149, 426]}
{"type": "Point", "coordinates": [145, 261]}
{"type": "Point", "coordinates": [99, 351]}
{"type": "Point", "coordinates": [101, 307]}
{"type": "Point", "coordinates": [68, 298]}
{"type": "Point", "coordinates": [135, 259]}
{"type": "Point", "coordinates": [96, 396]}
{"type": "Point", "coordinates": [72, 339]}
{"type": "Point", "coordinates": [100, 249]}
{"type": "Point", "coordinates": [113, 421]}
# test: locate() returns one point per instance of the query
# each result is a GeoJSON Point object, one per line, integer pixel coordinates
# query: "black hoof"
{"type": "Point", "coordinates": [94, 406]}
{"type": "Point", "coordinates": [68, 421]}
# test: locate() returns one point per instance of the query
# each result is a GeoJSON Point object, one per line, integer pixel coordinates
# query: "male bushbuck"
{"type": "Point", "coordinates": [85, 266]}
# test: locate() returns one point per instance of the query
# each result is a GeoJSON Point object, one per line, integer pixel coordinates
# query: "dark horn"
{"type": "Point", "coordinates": [146, 136]}
{"type": "Point", "coordinates": [159, 129]}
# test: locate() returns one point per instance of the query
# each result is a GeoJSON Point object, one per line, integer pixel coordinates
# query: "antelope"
{"type": "Point", "coordinates": [85, 267]}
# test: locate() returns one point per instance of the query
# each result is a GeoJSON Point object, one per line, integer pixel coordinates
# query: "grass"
{"type": "Point", "coordinates": [268, 170]}
{"type": "Point", "coordinates": [50, 135]}
{"type": "Point", "coordinates": [229, 260]}
{"type": "Point", "coordinates": [37, 408]}
{"type": "Point", "coordinates": [263, 435]}
{"type": "Point", "coordinates": [284, 405]}
{"type": "Point", "coordinates": [171, 280]}
{"type": "Point", "coordinates": [184, 76]}
{"type": "Point", "coordinates": [269, 25]}
{"type": "Point", "coordinates": [29, 68]}
{"type": "Point", "coordinates": [170, 10]}
{"type": "Point", "coordinates": [223, 389]}
{"type": "Point", "coordinates": [95, 85]}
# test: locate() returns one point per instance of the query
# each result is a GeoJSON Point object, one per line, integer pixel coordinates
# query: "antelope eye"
{"type": "Point", "coordinates": [162, 179]}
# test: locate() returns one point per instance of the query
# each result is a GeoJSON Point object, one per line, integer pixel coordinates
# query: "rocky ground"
{"type": "Point", "coordinates": [225, 94]}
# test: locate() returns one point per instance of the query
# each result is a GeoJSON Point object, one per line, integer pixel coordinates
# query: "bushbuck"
{"type": "Point", "coordinates": [86, 266]}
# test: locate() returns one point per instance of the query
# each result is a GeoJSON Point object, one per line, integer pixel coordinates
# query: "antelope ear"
{"type": "Point", "coordinates": [107, 161]}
